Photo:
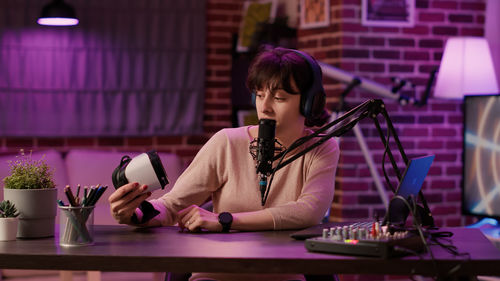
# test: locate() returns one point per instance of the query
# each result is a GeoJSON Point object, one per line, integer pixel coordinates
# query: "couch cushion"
{"type": "Point", "coordinates": [92, 167]}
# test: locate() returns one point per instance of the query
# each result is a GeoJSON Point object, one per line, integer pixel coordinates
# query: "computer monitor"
{"type": "Point", "coordinates": [481, 157]}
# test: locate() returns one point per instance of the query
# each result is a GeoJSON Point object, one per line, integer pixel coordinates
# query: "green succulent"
{"type": "Point", "coordinates": [26, 173]}
{"type": "Point", "coordinates": [8, 209]}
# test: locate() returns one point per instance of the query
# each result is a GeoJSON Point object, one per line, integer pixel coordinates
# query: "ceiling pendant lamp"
{"type": "Point", "coordinates": [58, 13]}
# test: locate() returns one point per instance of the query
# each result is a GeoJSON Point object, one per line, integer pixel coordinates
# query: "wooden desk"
{"type": "Point", "coordinates": [122, 248]}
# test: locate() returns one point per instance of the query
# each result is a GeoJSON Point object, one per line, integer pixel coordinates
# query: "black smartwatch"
{"type": "Point", "coordinates": [225, 219]}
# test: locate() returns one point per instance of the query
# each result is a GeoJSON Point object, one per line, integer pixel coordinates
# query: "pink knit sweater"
{"type": "Point", "coordinates": [224, 171]}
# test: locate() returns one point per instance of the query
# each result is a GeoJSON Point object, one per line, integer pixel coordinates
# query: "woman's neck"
{"type": "Point", "coordinates": [287, 136]}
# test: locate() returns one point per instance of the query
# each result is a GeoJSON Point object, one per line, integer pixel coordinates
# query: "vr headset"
{"type": "Point", "coordinates": [145, 168]}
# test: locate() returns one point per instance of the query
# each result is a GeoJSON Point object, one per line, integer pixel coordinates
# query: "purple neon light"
{"type": "Point", "coordinates": [57, 21]}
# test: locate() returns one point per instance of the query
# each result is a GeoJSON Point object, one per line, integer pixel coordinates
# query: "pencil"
{"type": "Point", "coordinates": [85, 191]}
{"type": "Point", "coordinates": [69, 194]}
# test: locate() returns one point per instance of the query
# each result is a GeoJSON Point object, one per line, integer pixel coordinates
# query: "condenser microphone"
{"type": "Point", "coordinates": [265, 153]}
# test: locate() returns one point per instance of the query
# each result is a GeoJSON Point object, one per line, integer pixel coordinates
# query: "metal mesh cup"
{"type": "Point", "coordinates": [76, 226]}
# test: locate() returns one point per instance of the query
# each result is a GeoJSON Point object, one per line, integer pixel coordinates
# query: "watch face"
{"type": "Point", "coordinates": [225, 218]}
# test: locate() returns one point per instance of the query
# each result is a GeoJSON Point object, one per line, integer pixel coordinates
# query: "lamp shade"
{"type": "Point", "coordinates": [58, 13]}
{"type": "Point", "coordinates": [466, 68]}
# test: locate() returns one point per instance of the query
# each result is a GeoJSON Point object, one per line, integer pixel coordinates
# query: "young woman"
{"type": "Point", "coordinates": [288, 89]}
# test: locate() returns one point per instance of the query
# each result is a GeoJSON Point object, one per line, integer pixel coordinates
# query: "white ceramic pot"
{"type": "Point", "coordinates": [8, 229]}
{"type": "Point", "coordinates": [37, 211]}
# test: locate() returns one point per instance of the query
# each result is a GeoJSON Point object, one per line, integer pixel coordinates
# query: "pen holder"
{"type": "Point", "coordinates": [76, 226]}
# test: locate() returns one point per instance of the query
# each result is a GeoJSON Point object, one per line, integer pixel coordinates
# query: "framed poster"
{"type": "Point", "coordinates": [254, 13]}
{"type": "Point", "coordinates": [391, 13]}
{"type": "Point", "coordinates": [314, 13]}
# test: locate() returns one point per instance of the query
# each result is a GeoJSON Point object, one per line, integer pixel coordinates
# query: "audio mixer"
{"type": "Point", "coordinates": [375, 241]}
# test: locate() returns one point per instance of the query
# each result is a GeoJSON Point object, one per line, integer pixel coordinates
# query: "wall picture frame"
{"type": "Point", "coordinates": [314, 13]}
{"type": "Point", "coordinates": [389, 13]}
{"type": "Point", "coordinates": [254, 13]}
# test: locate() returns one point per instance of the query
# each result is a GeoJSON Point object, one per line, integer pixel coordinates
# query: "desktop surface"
{"type": "Point", "coordinates": [122, 248]}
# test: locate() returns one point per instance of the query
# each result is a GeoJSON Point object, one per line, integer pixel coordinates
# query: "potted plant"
{"type": "Point", "coordinates": [30, 186]}
{"type": "Point", "coordinates": [8, 221]}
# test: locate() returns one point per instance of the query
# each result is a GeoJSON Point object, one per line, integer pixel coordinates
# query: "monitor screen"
{"type": "Point", "coordinates": [481, 156]}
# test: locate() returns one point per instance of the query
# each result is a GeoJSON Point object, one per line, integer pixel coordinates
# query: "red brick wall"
{"type": "Point", "coordinates": [379, 53]}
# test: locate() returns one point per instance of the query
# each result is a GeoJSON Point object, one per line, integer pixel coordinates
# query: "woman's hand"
{"type": "Point", "coordinates": [195, 219]}
{"type": "Point", "coordinates": [125, 200]}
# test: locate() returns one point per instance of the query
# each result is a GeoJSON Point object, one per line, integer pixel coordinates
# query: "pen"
{"type": "Point", "coordinates": [100, 191]}
{"type": "Point", "coordinates": [90, 196]}
{"type": "Point", "coordinates": [96, 193]}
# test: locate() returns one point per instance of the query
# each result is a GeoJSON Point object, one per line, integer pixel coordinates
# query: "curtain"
{"type": "Point", "coordinates": [130, 68]}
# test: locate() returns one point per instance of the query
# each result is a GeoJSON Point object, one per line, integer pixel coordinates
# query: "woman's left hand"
{"type": "Point", "coordinates": [195, 219]}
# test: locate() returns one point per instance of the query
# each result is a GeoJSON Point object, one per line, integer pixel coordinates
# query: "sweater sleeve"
{"type": "Point", "coordinates": [317, 191]}
{"type": "Point", "coordinates": [203, 176]}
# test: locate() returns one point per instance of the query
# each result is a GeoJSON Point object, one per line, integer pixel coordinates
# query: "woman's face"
{"type": "Point", "coordinates": [280, 106]}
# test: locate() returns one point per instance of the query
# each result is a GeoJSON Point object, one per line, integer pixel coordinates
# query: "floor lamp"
{"type": "Point", "coordinates": [466, 69]}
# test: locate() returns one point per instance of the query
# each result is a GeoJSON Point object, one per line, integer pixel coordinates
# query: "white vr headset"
{"type": "Point", "coordinates": [145, 168]}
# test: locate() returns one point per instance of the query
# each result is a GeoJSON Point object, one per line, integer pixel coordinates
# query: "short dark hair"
{"type": "Point", "coordinates": [274, 67]}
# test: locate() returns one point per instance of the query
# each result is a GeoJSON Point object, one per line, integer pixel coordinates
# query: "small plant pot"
{"type": "Point", "coordinates": [37, 211]}
{"type": "Point", "coordinates": [8, 229]}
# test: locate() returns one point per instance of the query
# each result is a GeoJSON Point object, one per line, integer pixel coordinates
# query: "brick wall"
{"type": "Point", "coordinates": [410, 53]}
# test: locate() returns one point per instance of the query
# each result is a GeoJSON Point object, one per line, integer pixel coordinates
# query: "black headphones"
{"type": "Point", "coordinates": [315, 92]}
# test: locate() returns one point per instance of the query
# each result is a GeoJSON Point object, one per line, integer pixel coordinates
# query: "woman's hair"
{"type": "Point", "coordinates": [274, 68]}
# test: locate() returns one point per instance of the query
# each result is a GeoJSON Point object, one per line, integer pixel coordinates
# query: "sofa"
{"type": "Point", "coordinates": [91, 167]}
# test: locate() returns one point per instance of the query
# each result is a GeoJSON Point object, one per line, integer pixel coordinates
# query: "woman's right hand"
{"type": "Point", "coordinates": [125, 200]}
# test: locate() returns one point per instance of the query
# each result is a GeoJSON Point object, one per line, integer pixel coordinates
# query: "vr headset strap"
{"type": "Point", "coordinates": [148, 212]}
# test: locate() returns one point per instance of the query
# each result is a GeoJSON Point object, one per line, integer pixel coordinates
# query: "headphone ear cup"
{"type": "Point", "coordinates": [317, 104]}
{"type": "Point", "coordinates": [316, 93]}
{"type": "Point", "coordinates": [254, 97]}
{"type": "Point", "coordinates": [312, 102]}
